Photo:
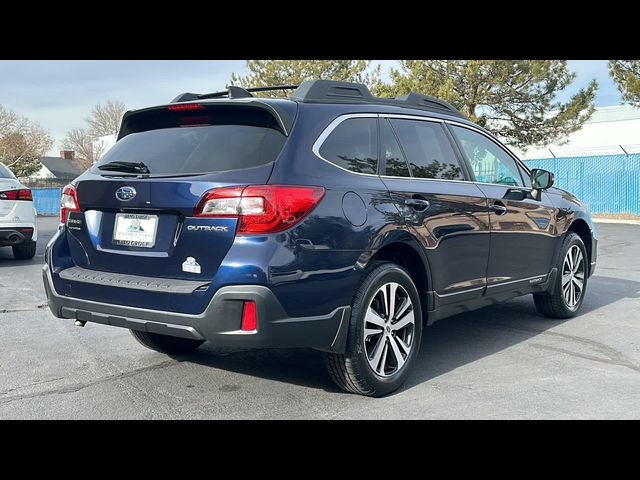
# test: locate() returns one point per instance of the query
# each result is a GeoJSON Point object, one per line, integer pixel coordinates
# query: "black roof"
{"type": "Point", "coordinates": [60, 167]}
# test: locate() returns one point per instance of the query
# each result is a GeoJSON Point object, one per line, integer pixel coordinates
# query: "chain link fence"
{"type": "Point", "coordinates": [608, 183]}
{"type": "Point", "coordinates": [33, 182]}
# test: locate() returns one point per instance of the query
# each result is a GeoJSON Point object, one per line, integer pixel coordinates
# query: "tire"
{"type": "Point", "coordinates": [165, 343]}
{"type": "Point", "coordinates": [554, 303]}
{"type": "Point", "coordinates": [353, 371]}
{"type": "Point", "coordinates": [24, 251]}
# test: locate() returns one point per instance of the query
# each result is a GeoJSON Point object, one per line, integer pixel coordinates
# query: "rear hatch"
{"type": "Point", "coordinates": [137, 202]}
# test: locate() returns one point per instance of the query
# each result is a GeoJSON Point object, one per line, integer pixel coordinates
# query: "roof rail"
{"type": "Point", "coordinates": [232, 91]}
{"type": "Point", "coordinates": [331, 91]}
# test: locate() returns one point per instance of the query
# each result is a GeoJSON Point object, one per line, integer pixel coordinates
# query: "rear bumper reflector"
{"type": "Point", "coordinates": [249, 317]}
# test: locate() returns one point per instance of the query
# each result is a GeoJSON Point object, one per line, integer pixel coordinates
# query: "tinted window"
{"type": "Point", "coordinates": [428, 150]}
{"type": "Point", "coordinates": [353, 145]}
{"type": "Point", "coordinates": [490, 163]}
{"type": "Point", "coordinates": [525, 177]}
{"type": "Point", "coordinates": [202, 141]}
{"type": "Point", "coordinates": [5, 172]}
{"type": "Point", "coordinates": [395, 163]}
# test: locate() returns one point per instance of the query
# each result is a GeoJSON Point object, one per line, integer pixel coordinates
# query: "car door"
{"type": "Point", "coordinates": [523, 236]}
{"type": "Point", "coordinates": [448, 215]}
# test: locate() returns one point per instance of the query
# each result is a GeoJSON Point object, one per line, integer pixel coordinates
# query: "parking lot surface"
{"type": "Point", "coordinates": [501, 362]}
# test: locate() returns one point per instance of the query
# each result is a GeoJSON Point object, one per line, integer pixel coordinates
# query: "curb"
{"type": "Point", "coordinates": [616, 220]}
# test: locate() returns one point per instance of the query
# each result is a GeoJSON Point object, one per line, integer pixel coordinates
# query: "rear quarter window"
{"type": "Point", "coordinates": [5, 172]}
{"type": "Point", "coordinates": [353, 145]}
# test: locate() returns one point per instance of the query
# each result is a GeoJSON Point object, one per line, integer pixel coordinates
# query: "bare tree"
{"type": "Point", "coordinates": [8, 119]}
{"type": "Point", "coordinates": [105, 119]}
{"type": "Point", "coordinates": [88, 149]}
{"type": "Point", "coordinates": [22, 143]}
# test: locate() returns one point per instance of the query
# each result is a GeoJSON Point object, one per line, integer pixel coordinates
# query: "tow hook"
{"type": "Point", "coordinates": [80, 323]}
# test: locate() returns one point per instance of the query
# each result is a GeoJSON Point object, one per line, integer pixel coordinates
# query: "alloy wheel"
{"type": "Point", "coordinates": [573, 270]}
{"type": "Point", "coordinates": [389, 327]}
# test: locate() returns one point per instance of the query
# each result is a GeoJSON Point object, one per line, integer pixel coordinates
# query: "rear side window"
{"type": "Point", "coordinates": [428, 150]}
{"type": "Point", "coordinates": [394, 161]}
{"type": "Point", "coordinates": [5, 172]}
{"type": "Point", "coordinates": [202, 141]}
{"type": "Point", "coordinates": [353, 145]}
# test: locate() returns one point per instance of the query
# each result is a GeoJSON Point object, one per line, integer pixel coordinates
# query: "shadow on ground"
{"type": "Point", "coordinates": [7, 260]}
{"type": "Point", "coordinates": [446, 345]}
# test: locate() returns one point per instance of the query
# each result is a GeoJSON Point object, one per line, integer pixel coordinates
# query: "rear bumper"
{"type": "Point", "coordinates": [15, 235]}
{"type": "Point", "coordinates": [219, 323]}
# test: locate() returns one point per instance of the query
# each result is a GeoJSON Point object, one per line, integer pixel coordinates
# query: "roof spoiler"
{"type": "Point", "coordinates": [232, 91]}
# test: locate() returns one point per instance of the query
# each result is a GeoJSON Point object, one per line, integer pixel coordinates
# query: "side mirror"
{"type": "Point", "coordinates": [540, 180]}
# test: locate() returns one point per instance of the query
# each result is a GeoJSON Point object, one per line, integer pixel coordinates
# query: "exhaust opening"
{"type": "Point", "coordinates": [15, 238]}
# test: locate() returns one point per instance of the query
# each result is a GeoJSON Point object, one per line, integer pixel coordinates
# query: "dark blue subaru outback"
{"type": "Point", "coordinates": [331, 220]}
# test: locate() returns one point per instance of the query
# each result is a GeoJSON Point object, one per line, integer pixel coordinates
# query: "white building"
{"type": "Point", "coordinates": [62, 167]}
{"type": "Point", "coordinates": [610, 130]}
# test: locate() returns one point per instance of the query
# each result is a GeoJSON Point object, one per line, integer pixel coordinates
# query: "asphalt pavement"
{"type": "Point", "coordinates": [504, 361]}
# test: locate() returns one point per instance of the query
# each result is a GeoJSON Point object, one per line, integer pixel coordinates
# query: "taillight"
{"type": "Point", "coordinates": [260, 208]}
{"type": "Point", "coordinates": [23, 194]}
{"type": "Point", "coordinates": [68, 202]}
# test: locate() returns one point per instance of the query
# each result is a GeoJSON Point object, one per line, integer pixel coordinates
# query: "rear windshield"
{"type": "Point", "coordinates": [5, 172]}
{"type": "Point", "coordinates": [200, 141]}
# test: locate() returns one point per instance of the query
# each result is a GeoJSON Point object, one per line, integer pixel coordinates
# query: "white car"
{"type": "Point", "coordinates": [17, 216]}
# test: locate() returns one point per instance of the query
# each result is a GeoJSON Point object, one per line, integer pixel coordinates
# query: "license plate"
{"type": "Point", "coordinates": [134, 230]}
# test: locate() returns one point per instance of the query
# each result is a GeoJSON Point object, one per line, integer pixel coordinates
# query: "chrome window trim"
{"type": "Point", "coordinates": [411, 117]}
{"type": "Point", "coordinates": [329, 130]}
{"type": "Point", "coordinates": [337, 121]}
{"type": "Point", "coordinates": [515, 187]}
{"type": "Point", "coordinates": [426, 179]}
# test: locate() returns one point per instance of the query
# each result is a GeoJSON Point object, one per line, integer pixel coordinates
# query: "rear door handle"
{"type": "Point", "coordinates": [417, 203]}
{"type": "Point", "coordinates": [498, 208]}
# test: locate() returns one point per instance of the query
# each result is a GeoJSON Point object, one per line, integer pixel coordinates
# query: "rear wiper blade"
{"type": "Point", "coordinates": [127, 167]}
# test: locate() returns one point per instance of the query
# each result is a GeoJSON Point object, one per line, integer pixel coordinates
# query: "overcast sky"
{"type": "Point", "coordinates": [60, 94]}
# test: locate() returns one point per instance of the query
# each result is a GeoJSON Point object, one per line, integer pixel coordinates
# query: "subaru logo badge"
{"type": "Point", "coordinates": [125, 193]}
